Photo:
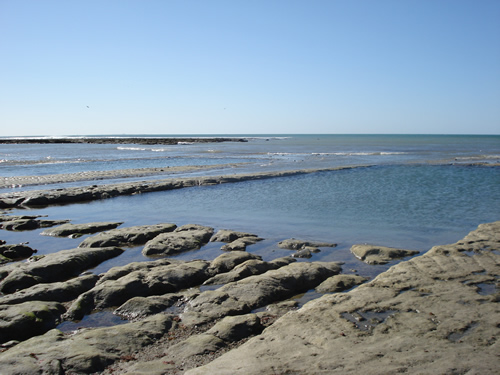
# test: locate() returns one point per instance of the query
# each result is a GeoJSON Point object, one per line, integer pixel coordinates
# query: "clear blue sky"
{"type": "Point", "coordinates": [235, 66]}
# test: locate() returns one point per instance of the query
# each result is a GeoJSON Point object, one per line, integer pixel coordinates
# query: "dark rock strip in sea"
{"type": "Point", "coordinates": [42, 198]}
{"type": "Point", "coordinates": [120, 140]}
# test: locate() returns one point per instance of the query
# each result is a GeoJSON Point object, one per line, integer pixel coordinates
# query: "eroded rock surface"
{"type": "Point", "coordinates": [372, 254]}
{"type": "Point", "coordinates": [427, 315]}
{"type": "Point", "coordinates": [130, 236]}
{"type": "Point", "coordinates": [185, 238]}
{"type": "Point", "coordinates": [16, 252]}
{"type": "Point", "coordinates": [339, 283]}
{"type": "Point", "coordinates": [76, 230]}
{"type": "Point", "coordinates": [53, 267]}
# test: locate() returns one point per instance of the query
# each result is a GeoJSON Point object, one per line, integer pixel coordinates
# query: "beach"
{"type": "Point", "coordinates": [247, 264]}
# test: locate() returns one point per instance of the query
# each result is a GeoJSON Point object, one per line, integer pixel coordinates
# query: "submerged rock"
{"type": "Point", "coordinates": [227, 235]}
{"type": "Point", "coordinates": [185, 238]}
{"type": "Point", "coordinates": [372, 254]}
{"type": "Point", "coordinates": [240, 244]}
{"type": "Point", "coordinates": [295, 244]}
{"type": "Point", "coordinates": [76, 230]}
{"type": "Point", "coordinates": [130, 236]}
{"type": "Point", "coordinates": [54, 267]}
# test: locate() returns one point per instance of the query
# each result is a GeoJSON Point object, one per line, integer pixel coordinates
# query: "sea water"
{"type": "Point", "coordinates": [412, 192]}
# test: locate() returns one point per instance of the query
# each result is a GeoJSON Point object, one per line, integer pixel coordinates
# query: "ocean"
{"type": "Point", "coordinates": [408, 191]}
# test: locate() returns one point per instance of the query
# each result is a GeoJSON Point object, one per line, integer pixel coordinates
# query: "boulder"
{"type": "Point", "coordinates": [27, 319]}
{"type": "Point", "coordinates": [372, 254]}
{"type": "Point", "coordinates": [339, 283]}
{"type": "Point", "coordinates": [16, 252]}
{"type": "Point", "coordinates": [130, 236]}
{"type": "Point", "coordinates": [54, 267]}
{"type": "Point", "coordinates": [235, 328]}
{"type": "Point", "coordinates": [185, 238]}
{"type": "Point", "coordinates": [76, 230]}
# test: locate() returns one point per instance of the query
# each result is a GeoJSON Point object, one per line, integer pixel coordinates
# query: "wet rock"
{"type": "Point", "coordinates": [339, 283]}
{"type": "Point", "coordinates": [24, 320]}
{"type": "Point", "coordinates": [58, 292]}
{"type": "Point", "coordinates": [54, 267]}
{"type": "Point", "coordinates": [306, 253]}
{"type": "Point", "coordinates": [88, 351]}
{"type": "Point", "coordinates": [156, 281]}
{"type": "Point", "coordinates": [226, 235]}
{"type": "Point", "coordinates": [141, 307]}
{"type": "Point", "coordinates": [130, 236]}
{"type": "Point", "coordinates": [185, 238]}
{"type": "Point", "coordinates": [76, 230]}
{"type": "Point", "coordinates": [16, 252]}
{"type": "Point", "coordinates": [371, 254]}
{"type": "Point", "coordinates": [29, 224]}
{"type": "Point", "coordinates": [227, 261]}
{"type": "Point", "coordinates": [295, 244]}
{"type": "Point", "coordinates": [247, 268]}
{"type": "Point", "coordinates": [115, 273]}
{"type": "Point", "coordinates": [240, 244]}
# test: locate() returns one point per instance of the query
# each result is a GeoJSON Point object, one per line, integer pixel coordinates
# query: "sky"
{"type": "Point", "coordinates": [102, 67]}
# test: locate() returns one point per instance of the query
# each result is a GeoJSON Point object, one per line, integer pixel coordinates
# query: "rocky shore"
{"type": "Point", "coordinates": [119, 140]}
{"type": "Point", "coordinates": [436, 313]}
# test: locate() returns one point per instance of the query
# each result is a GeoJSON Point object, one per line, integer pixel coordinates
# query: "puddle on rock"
{"type": "Point", "coordinates": [97, 319]}
{"type": "Point", "coordinates": [457, 336]}
{"type": "Point", "coordinates": [485, 289]}
{"type": "Point", "coordinates": [367, 320]}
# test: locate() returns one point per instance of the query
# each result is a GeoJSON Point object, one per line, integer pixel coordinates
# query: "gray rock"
{"type": "Point", "coordinates": [295, 244]}
{"type": "Point", "coordinates": [185, 238]}
{"type": "Point", "coordinates": [75, 230]}
{"type": "Point", "coordinates": [156, 281]}
{"type": "Point", "coordinates": [29, 224]}
{"type": "Point", "coordinates": [235, 328]}
{"type": "Point", "coordinates": [226, 235]}
{"type": "Point", "coordinates": [54, 267]}
{"type": "Point", "coordinates": [339, 283]}
{"type": "Point", "coordinates": [247, 268]}
{"type": "Point", "coordinates": [87, 351]}
{"type": "Point", "coordinates": [260, 290]}
{"type": "Point", "coordinates": [24, 320]}
{"type": "Point", "coordinates": [227, 261]}
{"type": "Point", "coordinates": [240, 244]}
{"type": "Point", "coordinates": [115, 273]}
{"type": "Point", "coordinates": [372, 254]}
{"type": "Point", "coordinates": [422, 316]}
{"type": "Point", "coordinates": [58, 292]}
{"type": "Point", "coordinates": [16, 252]}
{"type": "Point", "coordinates": [130, 236]}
